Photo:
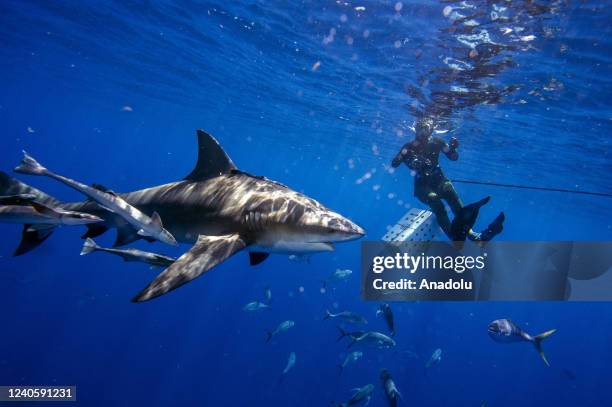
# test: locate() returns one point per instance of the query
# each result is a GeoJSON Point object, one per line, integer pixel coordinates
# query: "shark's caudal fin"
{"type": "Point", "coordinates": [30, 166]}
{"type": "Point", "coordinates": [207, 252]}
{"type": "Point", "coordinates": [30, 239]}
{"type": "Point", "coordinates": [269, 336]}
{"type": "Point", "coordinates": [327, 315]}
{"type": "Point", "coordinates": [212, 159]}
{"type": "Point", "coordinates": [537, 342]}
{"type": "Point", "coordinates": [89, 247]}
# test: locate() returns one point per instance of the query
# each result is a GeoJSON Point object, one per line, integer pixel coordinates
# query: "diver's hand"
{"type": "Point", "coordinates": [454, 143]}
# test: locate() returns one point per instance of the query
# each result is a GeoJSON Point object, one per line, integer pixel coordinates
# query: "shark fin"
{"type": "Point", "coordinates": [207, 252]}
{"type": "Point", "coordinates": [125, 235]}
{"type": "Point", "coordinates": [537, 342]}
{"type": "Point", "coordinates": [94, 230]}
{"type": "Point", "coordinates": [212, 159]}
{"type": "Point", "coordinates": [156, 219]}
{"type": "Point", "coordinates": [256, 258]}
{"type": "Point", "coordinates": [102, 188]}
{"type": "Point", "coordinates": [31, 238]}
{"type": "Point", "coordinates": [22, 199]}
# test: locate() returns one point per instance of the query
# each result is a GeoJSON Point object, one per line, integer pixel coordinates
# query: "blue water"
{"type": "Point", "coordinates": [314, 94]}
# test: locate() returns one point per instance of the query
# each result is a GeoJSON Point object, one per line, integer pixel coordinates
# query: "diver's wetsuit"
{"type": "Point", "coordinates": [430, 183]}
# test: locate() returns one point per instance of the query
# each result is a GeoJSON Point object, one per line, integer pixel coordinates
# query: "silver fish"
{"type": "Point", "coordinates": [255, 306]}
{"type": "Point", "coordinates": [350, 358]}
{"type": "Point", "coordinates": [506, 331]}
{"type": "Point", "coordinates": [282, 327]}
{"type": "Point", "coordinates": [373, 338]}
{"type": "Point", "coordinates": [361, 394]}
{"type": "Point", "coordinates": [290, 362]}
{"type": "Point", "coordinates": [391, 391]}
{"type": "Point", "coordinates": [135, 255]}
{"type": "Point", "coordinates": [346, 316]}
{"type": "Point", "coordinates": [435, 358]}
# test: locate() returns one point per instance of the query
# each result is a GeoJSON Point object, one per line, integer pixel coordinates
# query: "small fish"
{"type": "Point", "coordinates": [153, 259]}
{"type": "Point", "coordinates": [255, 306]}
{"type": "Point", "coordinates": [360, 395]}
{"type": "Point", "coordinates": [144, 225]}
{"type": "Point", "coordinates": [350, 358]}
{"type": "Point", "coordinates": [385, 311]}
{"type": "Point", "coordinates": [435, 358]}
{"type": "Point", "coordinates": [346, 316]}
{"type": "Point", "coordinates": [282, 327]}
{"type": "Point", "coordinates": [393, 394]}
{"type": "Point", "coordinates": [338, 275]}
{"type": "Point", "coordinates": [300, 258]}
{"type": "Point", "coordinates": [268, 295]}
{"type": "Point", "coordinates": [290, 363]}
{"type": "Point", "coordinates": [506, 331]}
{"type": "Point", "coordinates": [373, 338]}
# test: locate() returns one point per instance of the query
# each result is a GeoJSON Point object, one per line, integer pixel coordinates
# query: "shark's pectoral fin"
{"type": "Point", "coordinates": [94, 230]}
{"type": "Point", "coordinates": [256, 258]}
{"type": "Point", "coordinates": [31, 238]}
{"type": "Point", "coordinates": [126, 234]}
{"type": "Point", "coordinates": [207, 252]}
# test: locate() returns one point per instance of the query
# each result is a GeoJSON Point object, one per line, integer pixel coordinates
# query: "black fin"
{"type": "Point", "coordinates": [94, 230]}
{"type": "Point", "coordinates": [256, 258]}
{"type": "Point", "coordinates": [31, 238]}
{"type": "Point", "coordinates": [212, 159]}
{"type": "Point", "coordinates": [126, 235]}
{"type": "Point", "coordinates": [465, 219]}
{"type": "Point", "coordinates": [102, 188]}
{"type": "Point", "coordinates": [22, 199]}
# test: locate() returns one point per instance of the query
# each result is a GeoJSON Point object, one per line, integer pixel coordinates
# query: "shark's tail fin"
{"type": "Point", "coordinates": [340, 370]}
{"type": "Point", "coordinates": [327, 315]}
{"type": "Point", "coordinates": [30, 166]}
{"type": "Point", "coordinates": [31, 238]}
{"type": "Point", "coordinates": [537, 342]}
{"type": "Point", "coordinates": [269, 336]}
{"type": "Point", "coordinates": [89, 247]}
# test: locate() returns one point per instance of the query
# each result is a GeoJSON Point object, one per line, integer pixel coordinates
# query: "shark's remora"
{"type": "Point", "coordinates": [223, 210]}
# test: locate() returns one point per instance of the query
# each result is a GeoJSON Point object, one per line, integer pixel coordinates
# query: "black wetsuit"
{"type": "Point", "coordinates": [430, 184]}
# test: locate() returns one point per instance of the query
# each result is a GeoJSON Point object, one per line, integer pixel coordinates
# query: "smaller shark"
{"type": "Point", "coordinates": [145, 226]}
{"type": "Point", "coordinates": [154, 259]}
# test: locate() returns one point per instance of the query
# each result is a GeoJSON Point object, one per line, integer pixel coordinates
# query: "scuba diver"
{"type": "Point", "coordinates": [431, 185]}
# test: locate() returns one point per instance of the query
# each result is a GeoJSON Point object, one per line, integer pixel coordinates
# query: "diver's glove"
{"type": "Point", "coordinates": [454, 143]}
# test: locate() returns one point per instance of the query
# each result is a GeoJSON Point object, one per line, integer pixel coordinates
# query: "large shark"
{"type": "Point", "coordinates": [222, 210]}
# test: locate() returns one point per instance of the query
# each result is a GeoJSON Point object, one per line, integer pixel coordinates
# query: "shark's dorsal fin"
{"type": "Point", "coordinates": [212, 159]}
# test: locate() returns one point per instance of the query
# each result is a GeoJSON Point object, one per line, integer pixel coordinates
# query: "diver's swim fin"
{"type": "Point", "coordinates": [494, 229]}
{"type": "Point", "coordinates": [465, 219]}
